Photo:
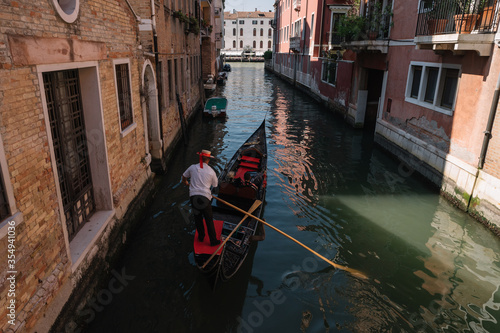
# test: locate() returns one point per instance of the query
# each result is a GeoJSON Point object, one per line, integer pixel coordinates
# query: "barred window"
{"type": "Point", "coordinates": [124, 95]}
{"type": "Point", "coordinates": [329, 71]}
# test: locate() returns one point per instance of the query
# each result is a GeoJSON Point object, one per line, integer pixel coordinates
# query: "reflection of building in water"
{"type": "Point", "coordinates": [294, 141]}
{"type": "Point", "coordinates": [463, 272]}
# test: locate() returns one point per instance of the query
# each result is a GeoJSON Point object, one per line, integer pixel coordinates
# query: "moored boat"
{"type": "Point", "coordinates": [241, 183]}
{"type": "Point", "coordinates": [222, 78]}
{"type": "Point", "coordinates": [215, 107]}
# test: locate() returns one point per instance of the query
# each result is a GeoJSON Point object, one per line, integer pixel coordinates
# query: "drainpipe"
{"type": "Point", "coordinates": [489, 126]}
{"type": "Point", "coordinates": [157, 64]}
{"type": "Point", "coordinates": [487, 137]}
{"type": "Point", "coordinates": [137, 17]}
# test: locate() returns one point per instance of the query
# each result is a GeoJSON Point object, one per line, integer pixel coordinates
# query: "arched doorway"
{"type": "Point", "coordinates": [150, 112]}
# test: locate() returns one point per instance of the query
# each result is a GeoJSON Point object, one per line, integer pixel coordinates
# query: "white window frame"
{"type": "Point", "coordinates": [85, 239]}
{"type": "Point", "coordinates": [15, 215]}
{"type": "Point", "coordinates": [323, 60]}
{"type": "Point", "coordinates": [124, 131]}
{"type": "Point", "coordinates": [435, 105]}
{"type": "Point", "coordinates": [67, 9]}
{"type": "Point", "coordinates": [311, 29]}
{"type": "Point", "coordinates": [304, 25]}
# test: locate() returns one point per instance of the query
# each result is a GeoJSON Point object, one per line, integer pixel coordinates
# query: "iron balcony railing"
{"type": "Point", "coordinates": [437, 17]}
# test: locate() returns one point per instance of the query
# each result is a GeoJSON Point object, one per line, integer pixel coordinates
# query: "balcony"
{"type": "Point", "coordinates": [449, 25]}
{"type": "Point", "coordinates": [368, 33]}
{"type": "Point", "coordinates": [334, 40]}
{"type": "Point", "coordinates": [295, 44]}
{"type": "Point", "coordinates": [206, 3]}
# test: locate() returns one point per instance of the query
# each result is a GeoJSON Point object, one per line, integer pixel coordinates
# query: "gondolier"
{"type": "Point", "coordinates": [202, 180]}
{"type": "Point", "coordinates": [238, 192]}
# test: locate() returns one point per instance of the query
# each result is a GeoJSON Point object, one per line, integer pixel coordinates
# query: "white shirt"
{"type": "Point", "coordinates": [201, 180]}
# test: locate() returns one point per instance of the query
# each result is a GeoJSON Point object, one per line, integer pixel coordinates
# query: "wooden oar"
{"type": "Point", "coordinates": [247, 214]}
{"type": "Point", "coordinates": [347, 269]}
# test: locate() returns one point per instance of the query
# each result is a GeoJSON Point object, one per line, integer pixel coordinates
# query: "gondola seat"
{"type": "Point", "coordinates": [250, 159]}
{"type": "Point", "coordinates": [240, 173]}
{"type": "Point", "coordinates": [227, 189]}
{"type": "Point", "coordinates": [247, 192]}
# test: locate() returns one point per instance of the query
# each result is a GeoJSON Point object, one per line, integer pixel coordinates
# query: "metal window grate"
{"type": "Point", "coordinates": [124, 98]}
{"type": "Point", "coordinates": [64, 105]}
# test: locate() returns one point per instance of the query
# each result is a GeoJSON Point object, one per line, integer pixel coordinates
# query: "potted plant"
{"type": "Point", "coordinates": [487, 14]}
{"type": "Point", "coordinates": [350, 27]}
{"type": "Point", "coordinates": [379, 20]}
{"type": "Point", "coordinates": [440, 13]}
{"type": "Point", "coordinates": [194, 25]}
{"type": "Point", "coordinates": [466, 19]}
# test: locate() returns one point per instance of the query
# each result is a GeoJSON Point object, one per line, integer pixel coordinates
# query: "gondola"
{"type": "Point", "coordinates": [251, 160]}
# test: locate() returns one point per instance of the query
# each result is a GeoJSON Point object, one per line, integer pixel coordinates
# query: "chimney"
{"type": "Point", "coordinates": [255, 9]}
{"type": "Point", "coordinates": [234, 11]}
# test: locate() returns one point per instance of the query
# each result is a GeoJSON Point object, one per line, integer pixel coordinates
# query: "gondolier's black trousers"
{"type": "Point", "coordinates": [202, 208]}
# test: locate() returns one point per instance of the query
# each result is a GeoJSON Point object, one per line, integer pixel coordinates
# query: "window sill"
{"type": "Point", "coordinates": [127, 130]}
{"type": "Point", "coordinates": [85, 239]}
{"type": "Point", "coordinates": [429, 106]}
{"type": "Point", "coordinates": [330, 84]}
{"type": "Point", "coordinates": [4, 225]}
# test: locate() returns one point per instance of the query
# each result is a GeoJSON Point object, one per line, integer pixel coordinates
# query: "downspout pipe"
{"type": "Point", "coordinates": [489, 126]}
{"type": "Point", "coordinates": [137, 17]}
{"type": "Point", "coordinates": [157, 64]}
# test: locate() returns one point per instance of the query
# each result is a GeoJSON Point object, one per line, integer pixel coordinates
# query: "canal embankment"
{"type": "Point", "coordinates": [468, 187]}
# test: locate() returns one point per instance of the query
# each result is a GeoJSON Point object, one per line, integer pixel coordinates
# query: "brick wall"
{"type": "Point", "coordinates": [42, 250]}
{"type": "Point", "coordinates": [492, 162]}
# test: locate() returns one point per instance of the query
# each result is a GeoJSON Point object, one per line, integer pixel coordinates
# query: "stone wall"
{"type": "Point", "coordinates": [469, 189]}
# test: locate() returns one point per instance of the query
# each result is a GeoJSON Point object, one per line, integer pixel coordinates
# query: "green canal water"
{"type": "Point", "coordinates": [430, 267]}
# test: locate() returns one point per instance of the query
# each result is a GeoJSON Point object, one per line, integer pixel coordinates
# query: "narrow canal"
{"type": "Point", "coordinates": [430, 267]}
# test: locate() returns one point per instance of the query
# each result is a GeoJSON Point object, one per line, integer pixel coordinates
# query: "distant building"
{"type": "Point", "coordinates": [212, 16]}
{"type": "Point", "coordinates": [247, 33]}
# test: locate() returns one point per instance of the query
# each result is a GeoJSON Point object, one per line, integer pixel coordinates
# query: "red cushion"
{"type": "Point", "coordinates": [250, 159]}
{"type": "Point", "coordinates": [240, 173]}
{"type": "Point", "coordinates": [204, 247]}
{"type": "Point", "coordinates": [249, 165]}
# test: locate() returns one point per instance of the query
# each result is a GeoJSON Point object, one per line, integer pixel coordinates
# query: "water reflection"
{"type": "Point", "coordinates": [363, 209]}
{"type": "Point", "coordinates": [464, 274]}
{"type": "Point", "coordinates": [430, 267]}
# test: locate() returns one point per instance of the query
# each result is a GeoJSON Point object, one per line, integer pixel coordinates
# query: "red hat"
{"type": "Point", "coordinates": [204, 153]}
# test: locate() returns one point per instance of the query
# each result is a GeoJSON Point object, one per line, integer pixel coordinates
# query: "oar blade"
{"type": "Point", "coordinates": [347, 269]}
